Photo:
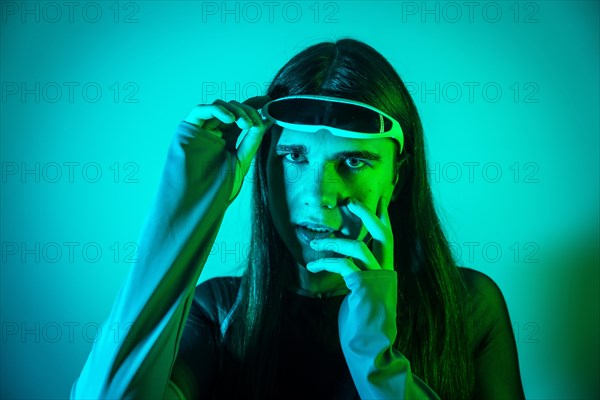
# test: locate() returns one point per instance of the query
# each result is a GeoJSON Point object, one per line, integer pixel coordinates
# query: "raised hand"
{"type": "Point", "coordinates": [227, 120]}
{"type": "Point", "coordinates": [359, 256]}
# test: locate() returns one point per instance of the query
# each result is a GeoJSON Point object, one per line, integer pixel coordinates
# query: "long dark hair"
{"type": "Point", "coordinates": [431, 312]}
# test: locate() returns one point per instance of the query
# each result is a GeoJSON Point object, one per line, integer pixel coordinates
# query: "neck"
{"type": "Point", "coordinates": [317, 284]}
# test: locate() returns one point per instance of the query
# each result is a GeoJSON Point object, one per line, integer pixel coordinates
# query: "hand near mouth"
{"type": "Point", "coordinates": [359, 256]}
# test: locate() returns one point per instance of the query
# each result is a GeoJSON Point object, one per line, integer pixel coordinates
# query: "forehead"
{"type": "Point", "coordinates": [325, 141]}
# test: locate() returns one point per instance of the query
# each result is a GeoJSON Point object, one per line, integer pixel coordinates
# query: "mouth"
{"type": "Point", "coordinates": [309, 232]}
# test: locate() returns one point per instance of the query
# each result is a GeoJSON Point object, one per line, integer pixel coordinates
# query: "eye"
{"type": "Point", "coordinates": [355, 163]}
{"type": "Point", "coordinates": [300, 157]}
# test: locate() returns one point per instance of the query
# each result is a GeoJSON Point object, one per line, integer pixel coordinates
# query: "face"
{"type": "Point", "coordinates": [311, 177]}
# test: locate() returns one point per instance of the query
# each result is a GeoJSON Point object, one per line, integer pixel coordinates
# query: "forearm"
{"type": "Point", "coordinates": [156, 297]}
{"type": "Point", "coordinates": [386, 376]}
{"type": "Point", "coordinates": [367, 331]}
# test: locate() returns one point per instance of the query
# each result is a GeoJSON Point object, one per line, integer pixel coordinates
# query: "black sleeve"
{"type": "Point", "coordinates": [197, 363]}
{"type": "Point", "coordinates": [497, 374]}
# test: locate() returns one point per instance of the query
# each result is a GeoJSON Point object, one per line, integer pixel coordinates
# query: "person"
{"type": "Point", "coordinates": [374, 308]}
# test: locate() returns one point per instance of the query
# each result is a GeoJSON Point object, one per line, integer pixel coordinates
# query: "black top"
{"type": "Point", "coordinates": [312, 364]}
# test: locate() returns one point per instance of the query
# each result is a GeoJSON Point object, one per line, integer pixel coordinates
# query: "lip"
{"type": "Point", "coordinates": [307, 236]}
{"type": "Point", "coordinates": [315, 225]}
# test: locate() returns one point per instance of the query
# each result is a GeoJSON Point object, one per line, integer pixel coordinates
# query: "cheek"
{"type": "Point", "coordinates": [274, 187]}
{"type": "Point", "coordinates": [276, 182]}
{"type": "Point", "coordinates": [284, 183]}
{"type": "Point", "coordinates": [280, 200]}
{"type": "Point", "coordinates": [279, 195]}
{"type": "Point", "coordinates": [369, 193]}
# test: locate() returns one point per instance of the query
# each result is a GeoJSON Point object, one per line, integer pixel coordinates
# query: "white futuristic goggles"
{"type": "Point", "coordinates": [341, 117]}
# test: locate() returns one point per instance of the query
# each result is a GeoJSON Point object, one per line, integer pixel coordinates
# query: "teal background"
{"type": "Point", "coordinates": [166, 57]}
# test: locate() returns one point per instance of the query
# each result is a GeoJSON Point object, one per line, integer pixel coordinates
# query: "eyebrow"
{"type": "Point", "coordinates": [299, 148]}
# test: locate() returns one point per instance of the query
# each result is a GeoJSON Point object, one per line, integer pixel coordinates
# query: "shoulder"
{"type": "Point", "coordinates": [482, 290]}
{"type": "Point", "coordinates": [480, 284]}
{"type": "Point", "coordinates": [486, 304]}
{"type": "Point", "coordinates": [215, 297]}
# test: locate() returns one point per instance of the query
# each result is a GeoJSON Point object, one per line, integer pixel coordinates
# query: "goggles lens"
{"type": "Point", "coordinates": [343, 117]}
{"type": "Point", "coordinates": [340, 115]}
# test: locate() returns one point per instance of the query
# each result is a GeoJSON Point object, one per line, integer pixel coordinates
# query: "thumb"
{"type": "Point", "coordinates": [250, 144]}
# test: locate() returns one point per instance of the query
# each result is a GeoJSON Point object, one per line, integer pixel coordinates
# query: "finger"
{"type": "Point", "coordinates": [342, 266]}
{"type": "Point", "coordinates": [250, 143]}
{"type": "Point", "coordinates": [251, 113]}
{"type": "Point", "coordinates": [385, 250]}
{"type": "Point", "coordinates": [353, 248]}
{"type": "Point", "coordinates": [203, 112]}
{"type": "Point", "coordinates": [257, 102]}
{"type": "Point", "coordinates": [383, 241]}
{"type": "Point", "coordinates": [378, 248]}
{"type": "Point", "coordinates": [384, 215]}
{"type": "Point", "coordinates": [242, 119]}
{"type": "Point", "coordinates": [372, 222]}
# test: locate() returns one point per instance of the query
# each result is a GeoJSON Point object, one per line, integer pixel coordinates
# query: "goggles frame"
{"type": "Point", "coordinates": [395, 132]}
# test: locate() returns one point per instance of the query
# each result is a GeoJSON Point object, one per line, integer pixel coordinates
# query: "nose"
{"type": "Point", "coordinates": [323, 186]}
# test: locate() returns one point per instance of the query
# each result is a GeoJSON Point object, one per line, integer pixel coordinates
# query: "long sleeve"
{"type": "Point", "coordinates": [497, 372]}
{"type": "Point", "coordinates": [367, 325]}
{"type": "Point", "coordinates": [195, 368]}
{"type": "Point", "coordinates": [156, 297]}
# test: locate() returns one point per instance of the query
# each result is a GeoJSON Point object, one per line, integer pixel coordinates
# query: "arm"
{"type": "Point", "coordinates": [367, 315]}
{"type": "Point", "coordinates": [196, 369]}
{"type": "Point", "coordinates": [497, 374]}
{"type": "Point", "coordinates": [367, 323]}
{"type": "Point", "coordinates": [157, 295]}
